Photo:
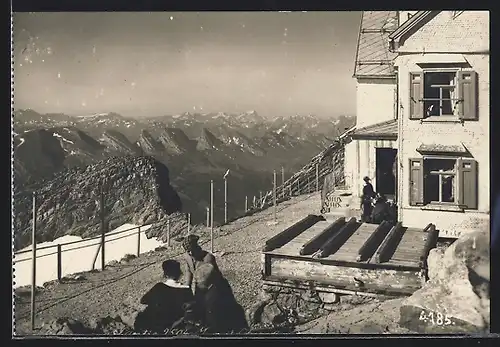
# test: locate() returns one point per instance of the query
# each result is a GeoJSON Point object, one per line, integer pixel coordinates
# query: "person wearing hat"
{"type": "Point", "coordinates": [221, 313]}
{"type": "Point", "coordinates": [166, 301]}
{"type": "Point", "coordinates": [194, 256]}
{"type": "Point", "coordinates": [366, 200]}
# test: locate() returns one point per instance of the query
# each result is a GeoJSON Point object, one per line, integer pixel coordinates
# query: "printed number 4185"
{"type": "Point", "coordinates": [435, 318]}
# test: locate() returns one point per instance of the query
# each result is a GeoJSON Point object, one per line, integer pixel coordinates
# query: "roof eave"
{"type": "Point", "coordinates": [411, 23]}
{"type": "Point", "coordinates": [387, 137]}
{"type": "Point", "coordinates": [393, 76]}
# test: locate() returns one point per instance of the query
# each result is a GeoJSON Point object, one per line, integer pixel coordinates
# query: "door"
{"type": "Point", "coordinates": [385, 175]}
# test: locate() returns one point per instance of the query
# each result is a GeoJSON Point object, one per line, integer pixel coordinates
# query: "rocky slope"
{"type": "Point", "coordinates": [456, 299]}
{"type": "Point", "coordinates": [136, 190]}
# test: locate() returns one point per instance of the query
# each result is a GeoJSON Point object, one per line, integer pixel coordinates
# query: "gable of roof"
{"type": "Point", "coordinates": [410, 26]}
{"type": "Point", "coordinates": [387, 130]}
{"type": "Point", "coordinates": [373, 58]}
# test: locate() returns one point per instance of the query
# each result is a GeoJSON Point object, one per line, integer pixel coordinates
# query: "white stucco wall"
{"type": "Point", "coordinates": [360, 162]}
{"type": "Point", "coordinates": [445, 35]}
{"type": "Point", "coordinates": [374, 101]}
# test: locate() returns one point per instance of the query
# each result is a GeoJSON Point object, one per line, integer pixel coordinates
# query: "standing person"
{"type": "Point", "coordinates": [366, 199]}
{"type": "Point", "coordinates": [194, 256]}
{"type": "Point", "coordinates": [165, 300]}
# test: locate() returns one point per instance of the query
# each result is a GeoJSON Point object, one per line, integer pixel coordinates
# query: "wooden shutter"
{"type": "Point", "coordinates": [416, 181]}
{"type": "Point", "coordinates": [416, 95]}
{"type": "Point", "coordinates": [467, 93]}
{"type": "Point", "coordinates": [467, 183]}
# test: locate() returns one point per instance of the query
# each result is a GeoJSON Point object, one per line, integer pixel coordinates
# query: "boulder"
{"type": "Point", "coordinates": [64, 326]}
{"type": "Point", "coordinates": [111, 326]}
{"type": "Point", "coordinates": [272, 314]}
{"type": "Point", "coordinates": [456, 298]}
{"type": "Point", "coordinates": [133, 315]}
{"type": "Point", "coordinates": [254, 313]}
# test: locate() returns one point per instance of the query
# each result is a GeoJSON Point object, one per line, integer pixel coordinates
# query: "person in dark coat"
{"type": "Point", "coordinates": [380, 211]}
{"type": "Point", "coordinates": [165, 301]}
{"type": "Point", "coordinates": [366, 199]}
{"type": "Point", "coordinates": [221, 311]}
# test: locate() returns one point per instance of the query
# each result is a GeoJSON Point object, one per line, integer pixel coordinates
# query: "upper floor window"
{"type": "Point", "coordinates": [450, 94]}
{"type": "Point", "coordinates": [440, 94]}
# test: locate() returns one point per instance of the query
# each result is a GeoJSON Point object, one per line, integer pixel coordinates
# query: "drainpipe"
{"type": "Point", "coordinates": [399, 117]}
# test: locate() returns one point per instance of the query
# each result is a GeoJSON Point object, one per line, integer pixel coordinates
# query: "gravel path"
{"type": "Point", "coordinates": [103, 293]}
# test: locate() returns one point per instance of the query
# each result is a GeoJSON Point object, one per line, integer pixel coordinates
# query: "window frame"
{"type": "Point", "coordinates": [441, 116]}
{"type": "Point", "coordinates": [456, 185]}
{"type": "Point", "coordinates": [467, 91]}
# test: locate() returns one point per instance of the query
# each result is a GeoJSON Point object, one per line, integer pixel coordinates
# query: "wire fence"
{"type": "Point", "coordinates": [307, 180]}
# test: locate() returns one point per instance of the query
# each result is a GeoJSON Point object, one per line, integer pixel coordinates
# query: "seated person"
{"type": "Point", "coordinates": [221, 311]}
{"type": "Point", "coordinates": [380, 211]}
{"type": "Point", "coordinates": [166, 301]}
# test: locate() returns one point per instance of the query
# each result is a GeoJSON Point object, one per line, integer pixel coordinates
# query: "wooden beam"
{"type": "Point", "coordinates": [430, 243]}
{"type": "Point", "coordinates": [337, 240]}
{"type": "Point", "coordinates": [315, 243]}
{"type": "Point", "coordinates": [374, 241]}
{"type": "Point", "coordinates": [291, 232]}
{"type": "Point", "coordinates": [389, 243]}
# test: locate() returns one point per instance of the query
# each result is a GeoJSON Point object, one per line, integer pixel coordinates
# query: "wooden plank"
{"type": "Point", "coordinates": [430, 242]}
{"type": "Point", "coordinates": [315, 243]}
{"type": "Point", "coordinates": [336, 241]}
{"type": "Point", "coordinates": [291, 232]}
{"type": "Point", "coordinates": [277, 282]}
{"type": "Point", "coordinates": [349, 250]}
{"type": "Point", "coordinates": [310, 233]}
{"type": "Point", "coordinates": [373, 242]}
{"type": "Point", "coordinates": [391, 241]}
{"type": "Point", "coordinates": [349, 278]}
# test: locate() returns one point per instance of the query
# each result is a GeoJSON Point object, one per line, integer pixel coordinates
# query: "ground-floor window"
{"type": "Point", "coordinates": [441, 180]}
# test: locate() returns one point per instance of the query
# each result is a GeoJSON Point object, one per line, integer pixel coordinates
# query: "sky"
{"type": "Point", "coordinates": [156, 63]}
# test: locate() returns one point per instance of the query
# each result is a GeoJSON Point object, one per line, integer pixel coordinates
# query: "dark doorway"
{"type": "Point", "coordinates": [386, 179]}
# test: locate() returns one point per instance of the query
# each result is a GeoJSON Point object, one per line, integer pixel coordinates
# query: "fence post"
{"type": "Point", "coordinates": [208, 217]}
{"type": "Point", "coordinates": [33, 264]}
{"type": "Point", "coordinates": [274, 194]}
{"type": "Point", "coordinates": [283, 181]}
{"type": "Point", "coordinates": [189, 223]}
{"type": "Point", "coordinates": [246, 203]}
{"type": "Point", "coordinates": [103, 229]}
{"type": "Point", "coordinates": [225, 200]}
{"type": "Point", "coordinates": [317, 177]}
{"type": "Point", "coordinates": [211, 216]}
{"type": "Point", "coordinates": [168, 231]}
{"type": "Point", "coordinates": [59, 262]}
{"type": "Point", "coordinates": [138, 241]}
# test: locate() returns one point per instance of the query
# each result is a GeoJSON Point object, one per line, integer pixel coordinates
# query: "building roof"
{"type": "Point", "coordinates": [381, 131]}
{"type": "Point", "coordinates": [412, 24]}
{"type": "Point", "coordinates": [373, 58]}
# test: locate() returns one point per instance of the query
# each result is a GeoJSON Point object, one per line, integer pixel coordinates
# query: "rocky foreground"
{"type": "Point", "coordinates": [106, 302]}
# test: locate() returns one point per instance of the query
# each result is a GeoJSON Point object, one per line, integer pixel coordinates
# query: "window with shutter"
{"type": "Point", "coordinates": [467, 192]}
{"type": "Point", "coordinates": [416, 95]}
{"type": "Point", "coordinates": [416, 181]}
{"type": "Point", "coordinates": [467, 90]}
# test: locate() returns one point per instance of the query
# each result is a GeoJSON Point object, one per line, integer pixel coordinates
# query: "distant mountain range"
{"type": "Point", "coordinates": [195, 147]}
